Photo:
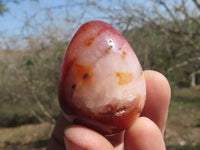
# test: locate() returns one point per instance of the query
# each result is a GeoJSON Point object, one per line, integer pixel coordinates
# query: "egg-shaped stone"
{"type": "Point", "coordinates": [101, 83]}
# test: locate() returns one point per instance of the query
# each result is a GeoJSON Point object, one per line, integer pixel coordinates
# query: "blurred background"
{"type": "Point", "coordinates": [34, 34]}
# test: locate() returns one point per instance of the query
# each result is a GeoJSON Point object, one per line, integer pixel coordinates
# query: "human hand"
{"type": "Point", "coordinates": [146, 133]}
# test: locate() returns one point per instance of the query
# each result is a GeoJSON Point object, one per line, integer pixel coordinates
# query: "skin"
{"type": "Point", "coordinates": [146, 133]}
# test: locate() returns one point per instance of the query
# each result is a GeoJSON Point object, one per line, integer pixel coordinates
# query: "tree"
{"type": "Point", "coordinates": [164, 35]}
{"type": "Point", "coordinates": [2, 7]}
{"type": "Point", "coordinates": [181, 27]}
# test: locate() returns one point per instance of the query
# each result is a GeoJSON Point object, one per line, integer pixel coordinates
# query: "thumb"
{"type": "Point", "coordinates": [78, 137]}
{"type": "Point", "coordinates": [144, 135]}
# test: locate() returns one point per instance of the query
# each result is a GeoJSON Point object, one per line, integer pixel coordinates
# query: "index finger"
{"type": "Point", "coordinates": [157, 98]}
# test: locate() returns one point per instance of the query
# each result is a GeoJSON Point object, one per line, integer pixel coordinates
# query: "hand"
{"type": "Point", "coordinates": [146, 133]}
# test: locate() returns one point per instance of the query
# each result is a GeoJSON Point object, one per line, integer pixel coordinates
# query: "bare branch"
{"type": "Point", "coordinates": [157, 10]}
{"type": "Point", "coordinates": [197, 3]}
{"type": "Point", "coordinates": [169, 11]}
{"type": "Point", "coordinates": [184, 63]}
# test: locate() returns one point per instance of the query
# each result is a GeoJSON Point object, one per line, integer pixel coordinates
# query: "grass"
{"type": "Point", "coordinates": [184, 120]}
{"type": "Point", "coordinates": [187, 98]}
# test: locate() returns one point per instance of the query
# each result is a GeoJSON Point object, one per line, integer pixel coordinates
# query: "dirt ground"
{"type": "Point", "coordinates": [184, 129]}
{"type": "Point", "coordinates": [26, 137]}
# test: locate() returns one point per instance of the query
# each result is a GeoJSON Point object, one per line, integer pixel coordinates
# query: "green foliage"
{"type": "Point", "coordinates": [3, 3]}
{"type": "Point", "coordinates": [29, 85]}
{"type": "Point", "coordinates": [12, 116]}
{"type": "Point", "coordinates": [28, 62]}
{"type": "Point", "coordinates": [178, 78]}
{"type": "Point", "coordinates": [2, 8]}
{"type": "Point", "coordinates": [186, 147]}
{"type": "Point", "coordinates": [168, 48]}
{"type": "Point", "coordinates": [197, 123]}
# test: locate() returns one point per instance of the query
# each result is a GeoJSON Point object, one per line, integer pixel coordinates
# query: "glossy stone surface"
{"type": "Point", "coordinates": [101, 83]}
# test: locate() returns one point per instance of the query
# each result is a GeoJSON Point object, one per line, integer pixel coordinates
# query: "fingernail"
{"type": "Point", "coordinates": [71, 145]}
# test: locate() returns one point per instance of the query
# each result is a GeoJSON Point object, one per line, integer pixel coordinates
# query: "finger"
{"type": "Point", "coordinates": [78, 137]}
{"type": "Point", "coordinates": [56, 141]}
{"type": "Point", "coordinates": [157, 98]}
{"type": "Point", "coordinates": [144, 135]}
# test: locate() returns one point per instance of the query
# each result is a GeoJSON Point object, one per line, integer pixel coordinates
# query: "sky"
{"type": "Point", "coordinates": [26, 18]}
{"type": "Point", "coordinates": [30, 18]}
{"type": "Point", "coordinates": [12, 21]}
